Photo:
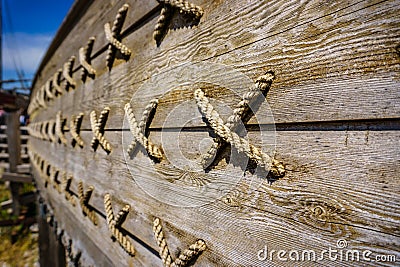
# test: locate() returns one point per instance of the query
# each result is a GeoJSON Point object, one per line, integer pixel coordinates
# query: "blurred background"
{"type": "Point", "coordinates": [26, 31]}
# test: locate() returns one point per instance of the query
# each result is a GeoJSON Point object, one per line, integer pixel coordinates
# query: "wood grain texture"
{"type": "Point", "coordinates": [362, 211]}
{"type": "Point", "coordinates": [294, 91]}
{"type": "Point", "coordinates": [90, 24]}
{"type": "Point", "coordinates": [94, 242]}
{"type": "Point", "coordinates": [335, 101]}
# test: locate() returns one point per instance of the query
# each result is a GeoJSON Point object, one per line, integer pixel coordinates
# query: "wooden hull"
{"type": "Point", "coordinates": [332, 124]}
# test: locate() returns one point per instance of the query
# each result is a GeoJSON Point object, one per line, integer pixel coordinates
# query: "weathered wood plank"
{"type": "Point", "coordinates": [94, 241]}
{"type": "Point", "coordinates": [23, 168]}
{"type": "Point", "coordinates": [23, 137]}
{"type": "Point", "coordinates": [91, 24]}
{"type": "Point", "coordinates": [334, 62]}
{"type": "Point", "coordinates": [355, 210]}
{"type": "Point", "coordinates": [6, 204]}
{"type": "Point", "coordinates": [49, 244]}
{"type": "Point", "coordinates": [14, 158]}
{"type": "Point", "coordinates": [15, 177]}
{"type": "Point", "coordinates": [13, 139]}
{"type": "Point", "coordinates": [24, 199]}
{"type": "Point", "coordinates": [4, 127]}
{"type": "Point", "coordinates": [299, 92]}
{"type": "Point", "coordinates": [5, 146]}
{"type": "Point", "coordinates": [9, 222]}
{"type": "Point", "coordinates": [6, 155]}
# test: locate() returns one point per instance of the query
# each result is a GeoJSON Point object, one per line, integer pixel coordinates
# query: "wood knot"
{"type": "Point", "coordinates": [313, 210]}
{"type": "Point", "coordinates": [323, 215]}
{"type": "Point", "coordinates": [234, 198]}
{"type": "Point", "coordinates": [320, 211]}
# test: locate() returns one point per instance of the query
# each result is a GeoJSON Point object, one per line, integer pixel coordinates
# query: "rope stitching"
{"type": "Point", "coordinates": [186, 256]}
{"type": "Point", "coordinates": [223, 130]}
{"type": "Point", "coordinates": [75, 128]}
{"type": "Point", "coordinates": [85, 60]}
{"type": "Point", "coordinates": [138, 130]}
{"type": "Point", "coordinates": [114, 224]}
{"type": "Point", "coordinates": [84, 198]}
{"type": "Point", "coordinates": [60, 123]}
{"type": "Point", "coordinates": [113, 35]}
{"type": "Point", "coordinates": [98, 126]}
{"type": "Point", "coordinates": [67, 73]}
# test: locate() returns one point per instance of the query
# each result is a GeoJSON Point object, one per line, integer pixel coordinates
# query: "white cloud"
{"type": "Point", "coordinates": [28, 53]}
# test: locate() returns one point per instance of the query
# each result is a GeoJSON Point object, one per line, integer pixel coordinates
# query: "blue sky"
{"type": "Point", "coordinates": [33, 26]}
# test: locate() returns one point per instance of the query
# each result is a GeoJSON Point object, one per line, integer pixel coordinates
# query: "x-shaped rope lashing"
{"type": "Point", "coordinates": [84, 198]}
{"type": "Point", "coordinates": [113, 35]}
{"type": "Point", "coordinates": [57, 81]}
{"type": "Point", "coordinates": [138, 130]}
{"type": "Point", "coordinates": [85, 60]}
{"type": "Point", "coordinates": [45, 171]}
{"type": "Point", "coordinates": [48, 88]}
{"type": "Point", "coordinates": [186, 256]}
{"type": "Point", "coordinates": [40, 98]}
{"type": "Point", "coordinates": [51, 131]}
{"type": "Point", "coordinates": [67, 73]}
{"type": "Point", "coordinates": [43, 132]}
{"type": "Point", "coordinates": [225, 132]}
{"type": "Point", "coordinates": [98, 126]}
{"type": "Point", "coordinates": [55, 173]}
{"type": "Point", "coordinates": [75, 127]}
{"type": "Point", "coordinates": [66, 183]}
{"type": "Point", "coordinates": [166, 14]}
{"type": "Point", "coordinates": [73, 259]}
{"type": "Point", "coordinates": [262, 85]}
{"type": "Point", "coordinates": [60, 124]}
{"type": "Point", "coordinates": [114, 224]}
